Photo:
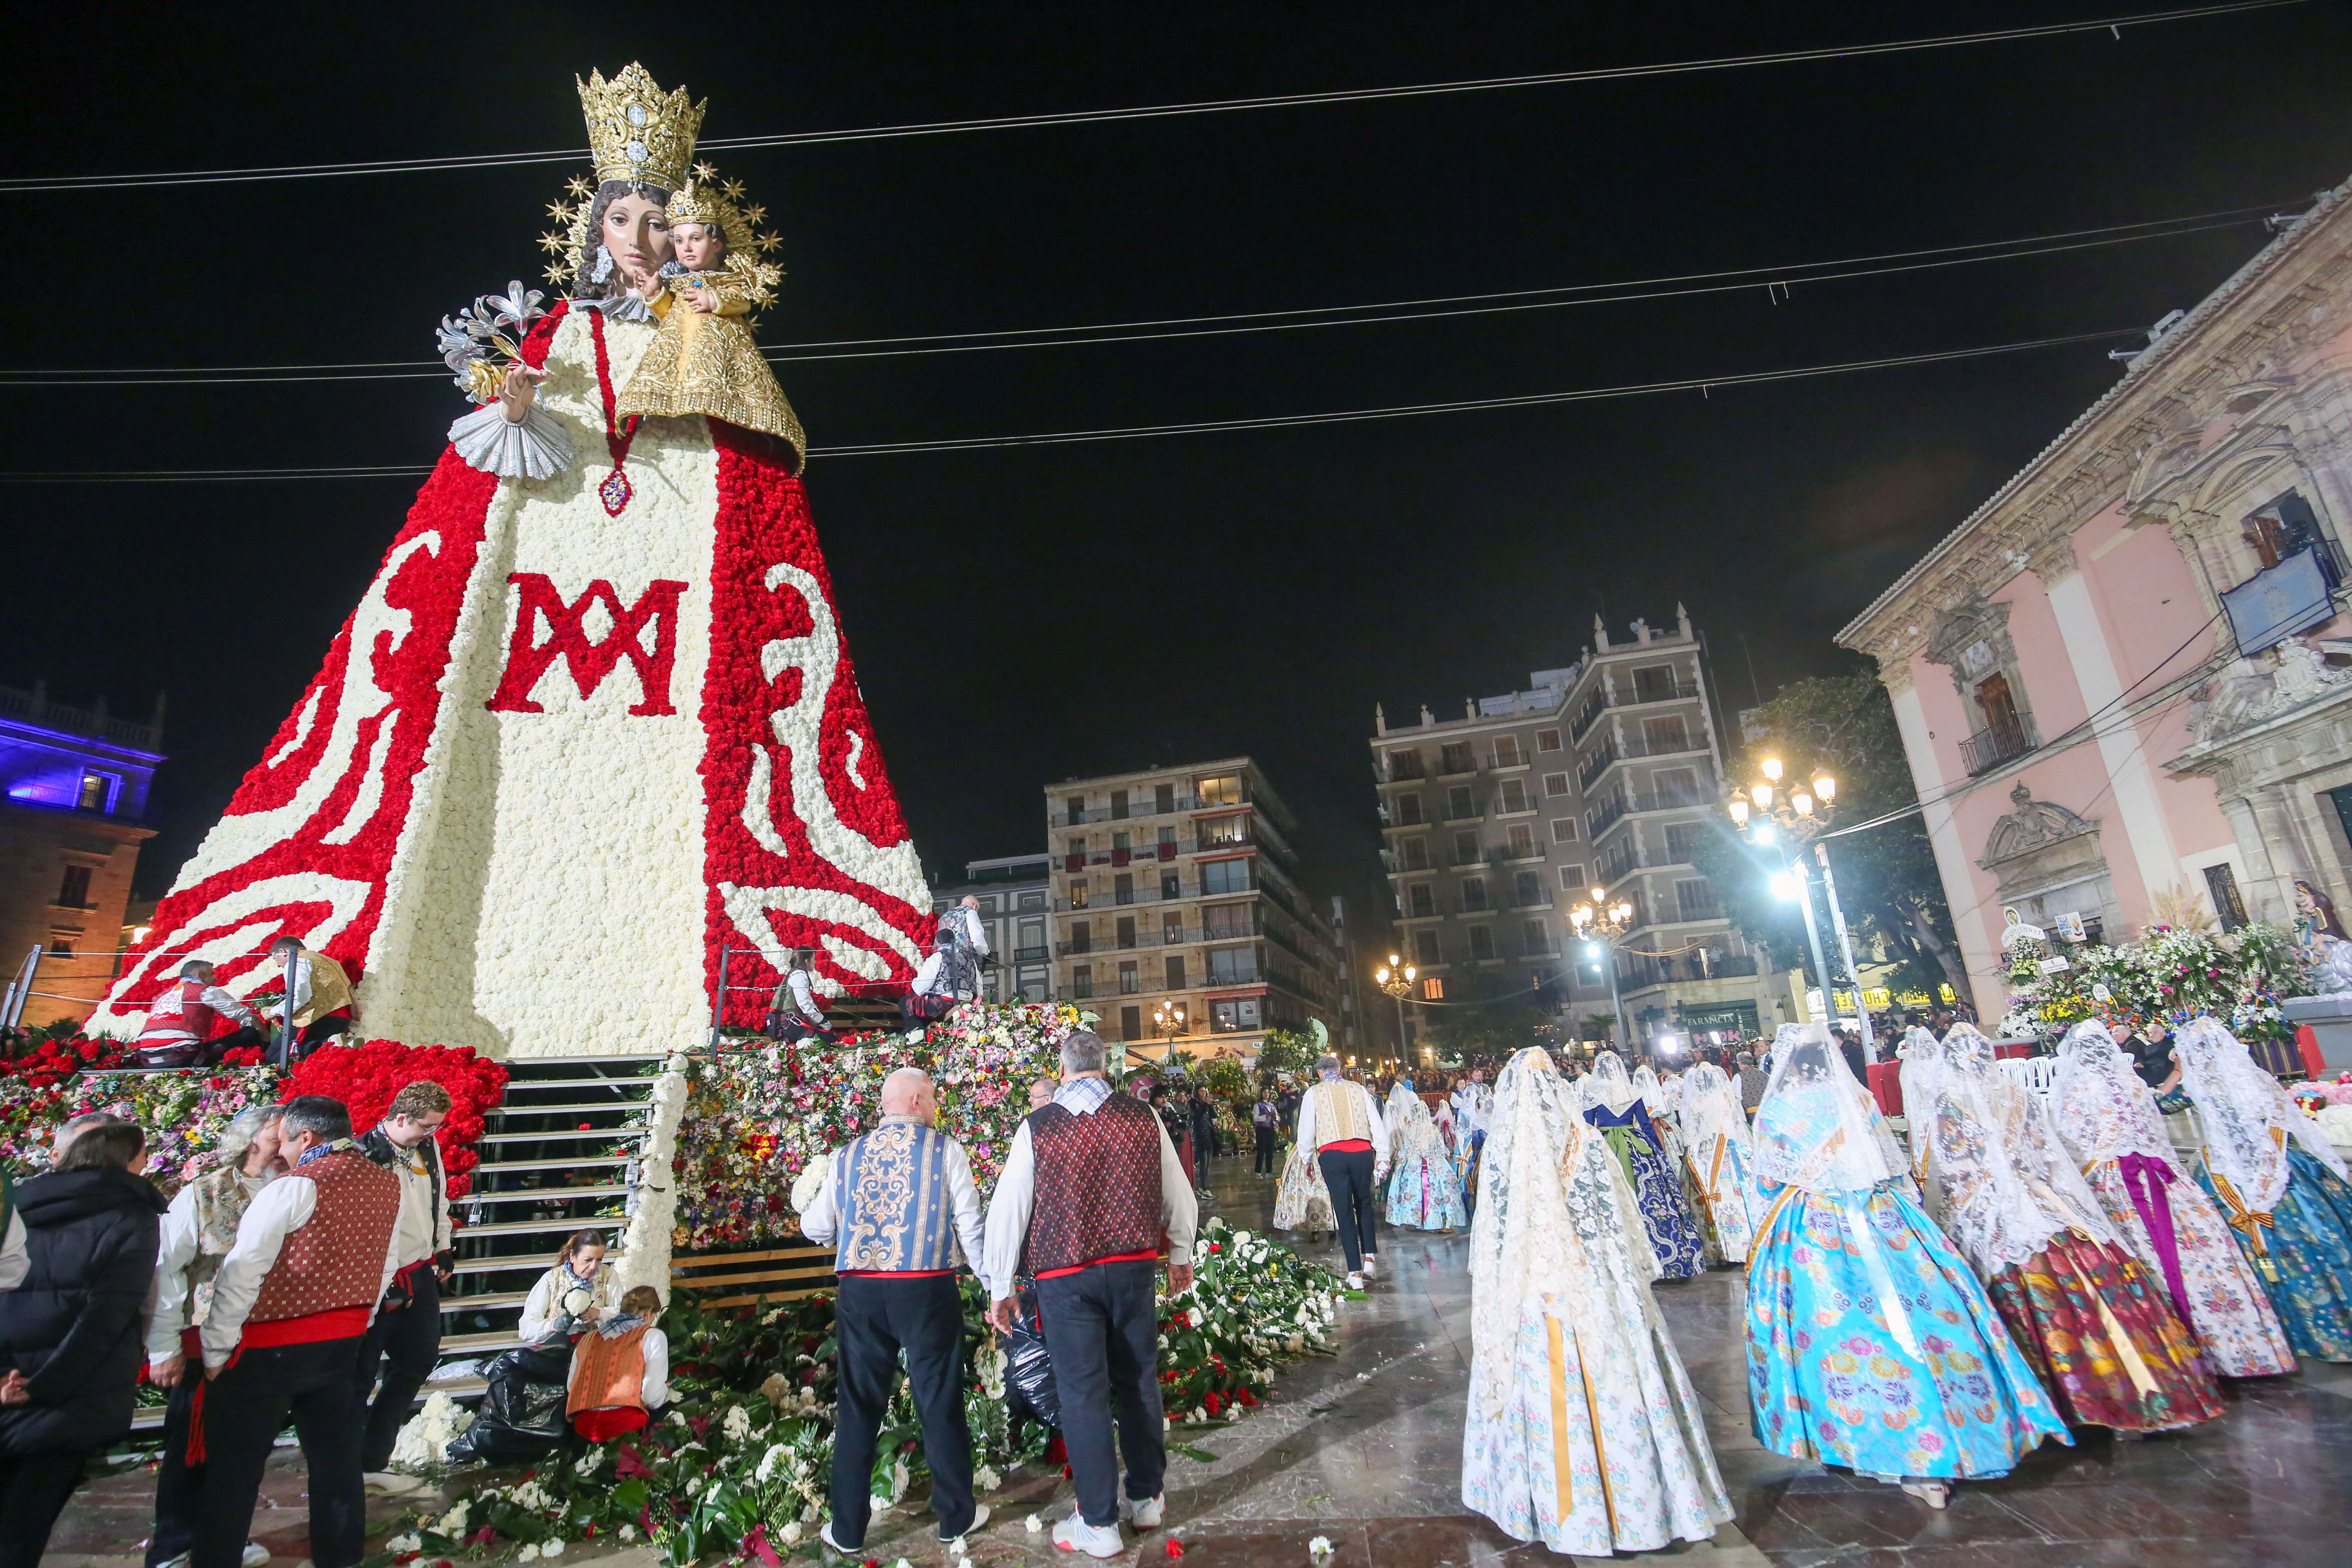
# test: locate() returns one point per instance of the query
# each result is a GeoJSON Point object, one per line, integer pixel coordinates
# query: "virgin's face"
{"type": "Point", "coordinates": [636, 234]}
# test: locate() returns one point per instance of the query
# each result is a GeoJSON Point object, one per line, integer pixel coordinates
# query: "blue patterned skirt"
{"type": "Point", "coordinates": [1666, 1207]}
{"type": "Point", "coordinates": [2307, 1248]}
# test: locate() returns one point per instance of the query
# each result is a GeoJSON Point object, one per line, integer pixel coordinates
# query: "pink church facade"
{"type": "Point", "coordinates": [2124, 682]}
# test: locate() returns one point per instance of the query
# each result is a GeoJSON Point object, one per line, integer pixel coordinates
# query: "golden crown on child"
{"type": "Point", "coordinates": [636, 131]}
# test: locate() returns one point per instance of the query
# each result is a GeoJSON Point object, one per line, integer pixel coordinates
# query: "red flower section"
{"type": "Point", "coordinates": [54, 1061]}
{"type": "Point", "coordinates": [365, 1077]}
{"type": "Point", "coordinates": [358, 770]}
{"type": "Point", "coordinates": [763, 528]}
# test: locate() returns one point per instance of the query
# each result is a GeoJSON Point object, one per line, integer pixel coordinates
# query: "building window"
{"type": "Point", "coordinates": [1129, 983]}
{"type": "Point", "coordinates": [1695, 898]}
{"type": "Point", "coordinates": [1433, 987]}
{"type": "Point", "coordinates": [1563, 830]}
{"type": "Point", "coordinates": [1408, 809]}
{"type": "Point", "coordinates": [1515, 795]}
{"type": "Point", "coordinates": [1465, 849]}
{"type": "Point", "coordinates": [1506, 752]}
{"type": "Point", "coordinates": [1225, 789]}
{"type": "Point", "coordinates": [1122, 890]}
{"type": "Point", "coordinates": [1232, 965]}
{"type": "Point", "coordinates": [1682, 842]}
{"type": "Point", "coordinates": [1571, 878]}
{"type": "Point", "coordinates": [1077, 895]}
{"type": "Point", "coordinates": [1168, 836]}
{"type": "Point", "coordinates": [1523, 841]}
{"type": "Point", "coordinates": [1675, 786]}
{"type": "Point", "coordinates": [1456, 758]}
{"type": "Point", "coordinates": [1233, 1013]}
{"type": "Point", "coordinates": [1082, 979]}
{"type": "Point", "coordinates": [1163, 798]}
{"type": "Point", "coordinates": [97, 792]}
{"type": "Point", "coordinates": [74, 889]}
{"type": "Point", "coordinates": [1424, 946]}
{"type": "Point", "coordinates": [1555, 784]}
{"type": "Point", "coordinates": [1171, 927]}
{"type": "Point", "coordinates": [1118, 805]}
{"type": "Point", "coordinates": [1482, 942]}
{"type": "Point", "coordinates": [1081, 936]}
{"type": "Point", "coordinates": [1131, 1023]}
{"type": "Point", "coordinates": [1404, 764]}
{"type": "Point", "coordinates": [1225, 876]}
{"type": "Point", "coordinates": [1667, 734]}
{"type": "Point", "coordinates": [1420, 901]}
{"type": "Point", "coordinates": [2221, 885]}
{"type": "Point", "coordinates": [1126, 931]}
{"type": "Point", "coordinates": [1997, 704]}
{"type": "Point", "coordinates": [1077, 807]}
{"type": "Point", "coordinates": [1172, 971]}
{"type": "Point", "coordinates": [61, 943]}
{"type": "Point", "coordinates": [1458, 804]}
{"type": "Point", "coordinates": [1416, 854]}
{"type": "Point", "coordinates": [1032, 942]}
{"type": "Point", "coordinates": [1169, 887]}
{"type": "Point", "coordinates": [1078, 848]}
{"type": "Point", "coordinates": [1534, 936]}
{"type": "Point", "coordinates": [1526, 887]}
{"type": "Point", "coordinates": [1656, 683]}
{"type": "Point", "coordinates": [1474, 892]}
{"type": "Point", "coordinates": [1547, 740]}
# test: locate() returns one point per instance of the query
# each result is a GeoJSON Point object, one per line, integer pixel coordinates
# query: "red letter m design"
{"type": "Point", "coordinates": [527, 659]}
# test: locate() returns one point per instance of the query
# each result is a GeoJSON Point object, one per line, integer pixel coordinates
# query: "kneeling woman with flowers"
{"type": "Point", "coordinates": [620, 1368]}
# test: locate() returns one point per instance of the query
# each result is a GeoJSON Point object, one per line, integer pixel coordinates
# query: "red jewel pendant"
{"type": "Point", "coordinates": [614, 493]}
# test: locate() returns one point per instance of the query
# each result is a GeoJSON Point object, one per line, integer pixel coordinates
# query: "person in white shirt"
{"type": "Point", "coordinates": [198, 1230]}
{"type": "Point", "coordinates": [794, 1013]}
{"type": "Point", "coordinates": [900, 1204]}
{"type": "Point", "coordinates": [570, 1297]}
{"type": "Point", "coordinates": [1090, 1185]}
{"type": "Point", "coordinates": [1339, 1127]}
{"type": "Point", "coordinates": [405, 1339]}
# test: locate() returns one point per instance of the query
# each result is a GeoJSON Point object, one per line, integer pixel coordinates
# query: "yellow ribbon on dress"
{"type": "Point", "coordinates": [1560, 1462]}
{"type": "Point", "coordinates": [2248, 1223]}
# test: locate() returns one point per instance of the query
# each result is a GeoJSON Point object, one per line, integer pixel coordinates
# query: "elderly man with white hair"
{"type": "Point", "coordinates": [898, 1203]}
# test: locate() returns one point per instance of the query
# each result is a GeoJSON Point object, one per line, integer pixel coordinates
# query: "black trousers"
{"type": "Point", "coordinates": [245, 1409]}
{"type": "Point", "coordinates": [1265, 1147]}
{"type": "Point", "coordinates": [873, 1319]}
{"type": "Point", "coordinates": [33, 1491]}
{"type": "Point", "coordinates": [1348, 1175]}
{"type": "Point", "coordinates": [178, 1488]}
{"type": "Point", "coordinates": [404, 1344]}
{"type": "Point", "coordinates": [1102, 1330]}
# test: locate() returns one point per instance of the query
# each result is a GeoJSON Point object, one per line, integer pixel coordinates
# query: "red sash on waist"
{"type": "Point", "coordinates": [336, 1323]}
{"type": "Point", "coordinates": [1096, 1263]}
{"type": "Point", "coordinates": [894, 1273]}
{"type": "Point", "coordinates": [1348, 1146]}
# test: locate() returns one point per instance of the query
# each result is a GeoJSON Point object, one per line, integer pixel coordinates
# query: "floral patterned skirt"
{"type": "Point", "coordinates": [1666, 1212]}
{"type": "Point", "coordinates": [1301, 1201]}
{"type": "Point", "coordinates": [2307, 1247]}
{"type": "Point", "coordinates": [2106, 1343]}
{"type": "Point", "coordinates": [2228, 1309]}
{"type": "Point", "coordinates": [1837, 1284]}
{"type": "Point", "coordinates": [1425, 1194]}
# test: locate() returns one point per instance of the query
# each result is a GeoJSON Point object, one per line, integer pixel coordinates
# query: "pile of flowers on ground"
{"type": "Point", "coordinates": [2168, 977]}
{"type": "Point", "coordinates": [366, 1077]}
{"type": "Point", "coordinates": [754, 1119]}
{"type": "Point", "coordinates": [741, 1463]}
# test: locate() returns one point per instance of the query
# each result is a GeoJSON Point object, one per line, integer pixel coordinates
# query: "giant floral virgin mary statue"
{"type": "Point", "coordinates": [594, 720]}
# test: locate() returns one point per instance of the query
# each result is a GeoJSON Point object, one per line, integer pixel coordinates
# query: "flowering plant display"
{"type": "Point", "coordinates": [755, 1119]}
{"type": "Point", "coordinates": [183, 1111]}
{"type": "Point", "coordinates": [2167, 977]}
{"type": "Point", "coordinates": [365, 1077]}
{"type": "Point", "coordinates": [56, 1059]}
{"type": "Point", "coordinates": [740, 1465]}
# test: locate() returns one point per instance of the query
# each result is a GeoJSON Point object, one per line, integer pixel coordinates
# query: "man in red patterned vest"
{"type": "Point", "coordinates": [179, 1028]}
{"type": "Point", "coordinates": [1090, 1185]}
{"type": "Point", "coordinates": [290, 1305]}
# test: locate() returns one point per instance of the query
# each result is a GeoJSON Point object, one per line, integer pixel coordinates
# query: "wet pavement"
{"type": "Point", "coordinates": [1364, 1449]}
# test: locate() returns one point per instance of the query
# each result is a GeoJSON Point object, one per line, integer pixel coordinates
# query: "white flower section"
{"type": "Point", "coordinates": [748, 907]}
{"type": "Point", "coordinates": [426, 1440]}
{"type": "Point", "coordinates": [645, 1244]}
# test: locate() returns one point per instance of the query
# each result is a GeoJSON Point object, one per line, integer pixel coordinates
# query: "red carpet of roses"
{"type": "Point", "coordinates": [365, 1077]}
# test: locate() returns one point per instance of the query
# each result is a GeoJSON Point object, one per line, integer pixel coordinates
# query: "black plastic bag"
{"type": "Point", "coordinates": [522, 1415]}
{"type": "Point", "coordinates": [1028, 1369]}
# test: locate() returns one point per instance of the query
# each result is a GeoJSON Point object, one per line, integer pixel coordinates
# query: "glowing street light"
{"type": "Point", "coordinates": [1763, 817]}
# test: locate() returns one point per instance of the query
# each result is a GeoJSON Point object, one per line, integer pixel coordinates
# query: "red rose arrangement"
{"type": "Point", "coordinates": [366, 1077]}
{"type": "Point", "coordinates": [54, 1061]}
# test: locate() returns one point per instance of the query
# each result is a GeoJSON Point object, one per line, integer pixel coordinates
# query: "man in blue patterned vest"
{"type": "Point", "coordinates": [896, 1203]}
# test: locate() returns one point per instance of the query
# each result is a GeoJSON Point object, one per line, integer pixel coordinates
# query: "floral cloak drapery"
{"type": "Point", "coordinates": [1301, 1201]}
{"type": "Point", "coordinates": [1674, 1229]}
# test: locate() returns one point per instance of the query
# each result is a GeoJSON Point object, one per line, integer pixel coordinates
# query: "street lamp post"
{"type": "Point", "coordinates": [1169, 1019]}
{"type": "Point", "coordinates": [1396, 978]}
{"type": "Point", "coordinates": [1766, 815]}
{"type": "Point", "coordinates": [1598, 924]}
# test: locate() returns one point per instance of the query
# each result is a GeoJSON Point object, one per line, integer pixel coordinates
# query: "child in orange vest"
{"type": "Point", "coordinates": [620, 1368]}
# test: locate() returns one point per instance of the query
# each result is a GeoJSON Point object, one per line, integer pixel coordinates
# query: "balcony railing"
{"type": "Point", "coordinates": [1997, 744]}
{"type": "Point", "coordinates": [1062, 818]}
{"type": "Point", "coordinates": [1508, 855]}
{"type": "Point", "coordinates": [1592, 767]}
{"type": "Point", "coordinates": [1542, 900]}
{"type": "Point", "coordinates": [1589, 715]}
{"type": "Point", "coordinates": [1604, 817]}
{"type": "Point", "coordinates": [1457, 767]}
{"type": "Point", "coordinates": [1030, 954]}
{"type": "Point", "coordinates": [1641, 746]}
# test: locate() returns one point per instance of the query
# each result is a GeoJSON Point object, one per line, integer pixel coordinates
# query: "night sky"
{"type": "Point", "coordinates": [1020, 617]}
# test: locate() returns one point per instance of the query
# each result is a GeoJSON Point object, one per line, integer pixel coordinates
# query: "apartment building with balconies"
{"type": "Point", "coordinates": [1601, 774]}
{"type": "Point", "coordinates": [1179, 918]}
{"type": "Point", "coordinates": [1015, 897]}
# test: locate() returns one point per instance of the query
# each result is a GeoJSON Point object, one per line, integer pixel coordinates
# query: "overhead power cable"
{"type": "Point", "coordinates": [1778, 278]}
{"type": "Point", "coordinates": [1701, 385]}
{"type": "Point", "coordinates": [1161, 111]}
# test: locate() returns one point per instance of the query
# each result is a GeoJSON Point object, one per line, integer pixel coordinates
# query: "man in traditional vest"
{"type": "Point", "coordinates": [405, 1338]}
{"type": "Point", "coordinates": [178, 1031]}
{"type": "Point", "coordinates": [896, 1203]}
{"type": "Point", "coordinates": [198, 1230]}
{"type": "Point", "coordinates": [1339, 1127]}
{"type": "Point", "coordinates": [318, 997]}
{"type": "Point", "coordinates": [1090, 1185]}
{"type": "Point", "coordinates": [292, 1303]}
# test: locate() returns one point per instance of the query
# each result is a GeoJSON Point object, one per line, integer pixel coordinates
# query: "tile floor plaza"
{"type": "Point", "coordinates": [1366, 1450]}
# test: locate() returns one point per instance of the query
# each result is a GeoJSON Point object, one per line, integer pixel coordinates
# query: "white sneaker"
{"type": "Point", "coordinates": [824, 1533]}
{"type": "Point", "coordinates": [978, 1518]}
{"type": "Point", "coordinates": [1355, 1281]}
{"type": "Point", "coordinates": [393, 1481]}
{"type": "Point", "coordinates": [1075, 1534]}
{"type": "Point", "coordinates": [1144, 1514]}
{"type": "Point", "coordinates": [256, 1555]}
{"type": "Point", "coordinates": [1370, 1271]}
